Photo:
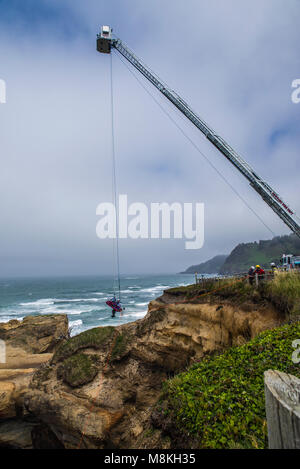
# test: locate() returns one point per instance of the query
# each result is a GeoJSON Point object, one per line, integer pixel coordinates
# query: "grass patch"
{"type": "Point", "coordinates": [206, 286]}
{"type": "Point", "coordinates": [78, 370]}
{"type": "Point", "coordinates": [221, 288]}
{"type": "Point", "coordinates": [119, 346]}
{"type": "Point", "coordinates": [219, 403]}
{"type": "Point", "coordinates": [284, 292]}
{"type": "Point", "coordinates": [93, 338]}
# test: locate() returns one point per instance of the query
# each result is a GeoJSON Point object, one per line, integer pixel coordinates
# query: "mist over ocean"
{"type": "Point", "coordinates": [83, 298]}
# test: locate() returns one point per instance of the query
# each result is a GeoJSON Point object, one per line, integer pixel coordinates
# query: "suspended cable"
{"type": "Point", "coordinates": [114, 190]}
{"type": "Point", "coordinates": [196, 146]}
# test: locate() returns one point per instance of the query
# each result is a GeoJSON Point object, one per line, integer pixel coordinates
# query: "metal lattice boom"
{"type": "Point", "coordinates": [104, 44]}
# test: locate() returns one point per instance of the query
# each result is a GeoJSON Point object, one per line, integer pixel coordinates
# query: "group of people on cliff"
{"type": "Point", "coordinates": [253, 271]}
{"type": "Point", "coordinates": [259, 272]}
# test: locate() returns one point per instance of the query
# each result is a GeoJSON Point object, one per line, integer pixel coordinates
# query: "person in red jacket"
{"type": "Point", "coordinates": [260, 272]}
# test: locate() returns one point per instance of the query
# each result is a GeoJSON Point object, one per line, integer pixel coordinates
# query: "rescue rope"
{"type": "Point", "coordinates": [116, 258]}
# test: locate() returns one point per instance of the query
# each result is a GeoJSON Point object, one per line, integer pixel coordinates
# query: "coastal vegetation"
{"type": "Point", "coordinates": [94, 338]}
{"type": "Point", "coordinates": [78, 370]}
{"type": "Point", "coordinates": [284, 293]}
{"type": "Point", "coordinates": [219, 402]}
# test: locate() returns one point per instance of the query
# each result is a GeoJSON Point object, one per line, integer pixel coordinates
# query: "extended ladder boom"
{"type": "Point", "coordinates": [104, 44]}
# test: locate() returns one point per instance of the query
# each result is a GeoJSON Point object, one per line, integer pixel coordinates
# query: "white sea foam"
{"type": "Point", "coordinates": [75, 327]}
{"type": "Point", "coordinates": [9, 318]}
{"type": "Point", "coordinates": [154, 289]}
{"type": "Point", "coordinates": [142, 304]}
{"type": "Point", "coordinates": [51, 301]}
{"type": "Point", "coordinates": [45, 302]}
{"type": "Point", "coordinates": [76, 323]}
{"type": "Point", "coordinates": [141, 314]}
{"type": "Point", "coordinates": [76, 300]}
{"type": "Point", "coordinates": [54, 310]}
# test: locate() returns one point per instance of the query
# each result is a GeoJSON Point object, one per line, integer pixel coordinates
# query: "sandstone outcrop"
{"type": "Point", "coordinates": [29, 344]}
{"type": "Point", "coordinates": [35, 334]}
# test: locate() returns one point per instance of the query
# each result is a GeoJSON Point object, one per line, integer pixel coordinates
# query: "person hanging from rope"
{"type": "Point", "coordinates": [115, 306]}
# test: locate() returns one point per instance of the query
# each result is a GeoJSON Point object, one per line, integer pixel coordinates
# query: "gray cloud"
{"type": "Point", "coordinates": [232, 61]}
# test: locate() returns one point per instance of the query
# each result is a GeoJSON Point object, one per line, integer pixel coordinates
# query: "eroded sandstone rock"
{"type": "Point", "coordinates": [26, 342]}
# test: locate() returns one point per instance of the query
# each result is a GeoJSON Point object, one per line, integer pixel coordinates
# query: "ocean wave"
{"type": "Point", "coordinates": [53, 310]}
{"type": "Point", "coordinates": [140, 314]}
{"type": "Point", "coordinates": [9, 318]}
{"type": "Point", "coordinates": [105, 318]}
{"type": "Point", "coordinates": [46, 301]}
{"type": "Point", "coordinates": [75, 327]}
{"type": "Point", "coordinates": [76, 300]}
{"type": "Point", "coordinates": [76, 323]}
{"type": "Point", "coordinates": [154, 289]}
{"type": "Point", "coordinates": [42, 303]}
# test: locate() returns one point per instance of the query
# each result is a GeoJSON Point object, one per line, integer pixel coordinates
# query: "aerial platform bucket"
{"type": "Point", "coordinates": [104, 40]}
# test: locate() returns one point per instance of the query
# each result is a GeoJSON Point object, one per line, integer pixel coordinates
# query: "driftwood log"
{"type": "Point", "coordinates": [282, 394]}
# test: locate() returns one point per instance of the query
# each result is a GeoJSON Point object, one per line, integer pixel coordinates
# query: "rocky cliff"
{"type": "Point", "coordinates": [29, 345]}
{"type": "Point", "coordinates": [99, 389]}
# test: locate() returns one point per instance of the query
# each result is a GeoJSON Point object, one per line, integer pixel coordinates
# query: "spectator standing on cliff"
{"type": "Point", "coordinates": [260, 272]}
{"type": "Point", "coordinates": [273, 267]}
{"type": "Point", "coordinates": [251, 274]}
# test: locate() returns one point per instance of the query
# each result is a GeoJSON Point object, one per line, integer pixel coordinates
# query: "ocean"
{"type": "Point", "coordinates": [83, 298]}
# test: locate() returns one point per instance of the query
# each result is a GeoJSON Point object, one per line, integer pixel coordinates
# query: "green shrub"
{"type": "Point", "coordinates": [93, 338]}
{"type": "Point", "coordinates": [78, 370]}
{"type": "Point", "coordinates": [220, 402]}
{"type": "Point", "coordinates": [119, 348]}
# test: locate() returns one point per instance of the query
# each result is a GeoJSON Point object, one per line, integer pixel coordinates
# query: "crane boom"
{"type": "Point", "coordinates": [104, 44]}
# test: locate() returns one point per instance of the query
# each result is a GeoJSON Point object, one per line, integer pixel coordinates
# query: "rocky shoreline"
{"type": "Point", "coordinates": [100, 389]}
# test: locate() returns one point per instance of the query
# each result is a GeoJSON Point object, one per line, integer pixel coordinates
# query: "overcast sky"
{"type": "Point", "coordinates": [234, 62]}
